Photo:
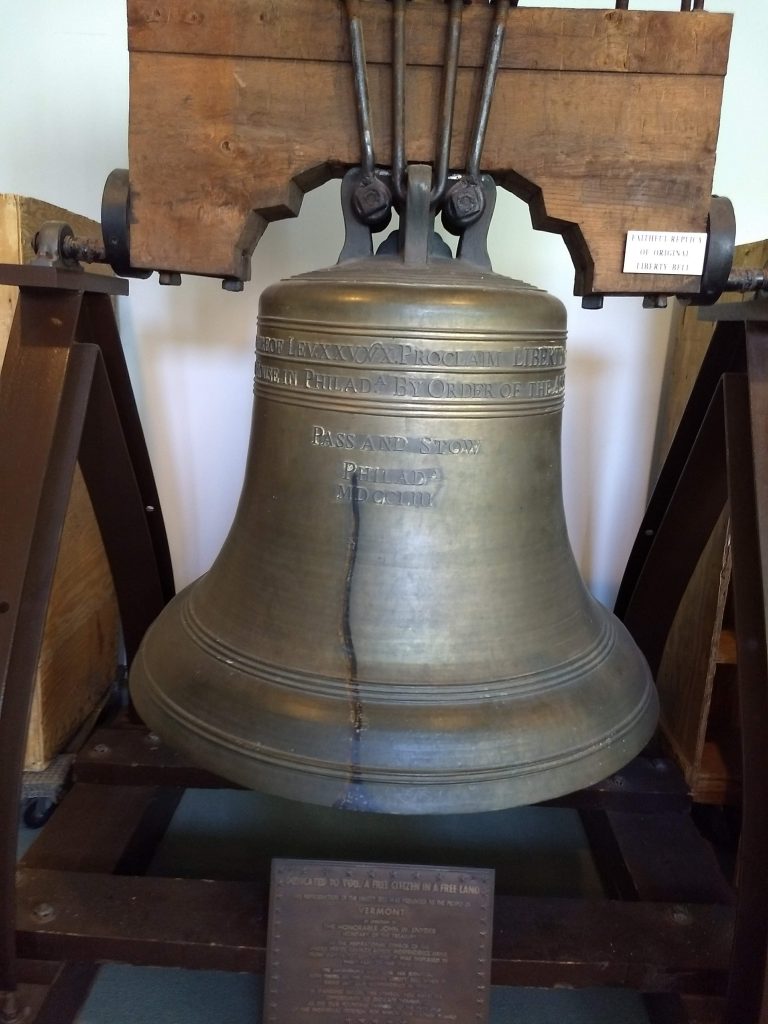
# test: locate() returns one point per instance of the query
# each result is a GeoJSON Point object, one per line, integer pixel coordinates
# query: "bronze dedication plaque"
{"type": "Point", "coordinates": [354, 943]}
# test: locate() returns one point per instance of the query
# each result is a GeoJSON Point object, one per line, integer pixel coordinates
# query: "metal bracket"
{"type": "Point", "coordinates": [415, 240]}
{"type": "Point", "coordinates": [53, 247]}
{"type": "Point", "coordinates": [718, 259]}
{"type": "Point", "coordinates": [116, 225]}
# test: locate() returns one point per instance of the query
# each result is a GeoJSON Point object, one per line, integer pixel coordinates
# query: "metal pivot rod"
{"type": "Point", "coordinates": [491, 71]}
{"type": "Point", "coordinates": [398, 100]}
{"type": "Point", "coordinates": [450, 75]}
{"type": "Point", "coordinates": [372, 200]}
{"type": "Point", "coordinates": [445, 127]}
{"type": "Point", "coordinates": [359, 67]}
{"type": "Point", "coordinates": [465, 201]}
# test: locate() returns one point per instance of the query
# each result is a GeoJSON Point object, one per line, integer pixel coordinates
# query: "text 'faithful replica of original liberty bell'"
{"type": "Point", "coordinates": [396, 621]}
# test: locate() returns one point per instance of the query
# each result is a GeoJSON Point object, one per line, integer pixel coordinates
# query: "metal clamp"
{"type": "Point", "coordinates": [54, 246]}
{"type": "Point", "coordinates": [718, 258]}
{"type": "Point", "coordinates": [116, 225]}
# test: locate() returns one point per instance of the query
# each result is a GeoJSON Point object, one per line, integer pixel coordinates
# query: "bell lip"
{"type": "Point", "coordinates": [434, 799]}
{"type": "Point", "coordinates": [462, 795]}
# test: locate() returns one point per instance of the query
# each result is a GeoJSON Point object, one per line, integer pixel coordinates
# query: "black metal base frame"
{"type": "Point", "coordinates": [668, 925]}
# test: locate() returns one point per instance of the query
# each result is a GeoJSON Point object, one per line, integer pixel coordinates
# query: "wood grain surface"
{"type": "Point", "coordinates": [695, 679]}
{"type": "Point", "coordinates": [604, 121]}
{"type": "Point", "coordinates": [79, 655]}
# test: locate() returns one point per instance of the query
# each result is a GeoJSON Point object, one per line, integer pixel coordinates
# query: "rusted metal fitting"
{"type": "Point", "coordinates": [55, 244]}
{"type": "Point", "coordinates": [51, 243]}
{"type": "Point", "coordinates": [464, 204]}
{"type": "Point", "coordinates": [748, 279]}
{"type": "Point", "coordinates": [84, 250]}
{"type": "Point", "coordinates": [372, 203]}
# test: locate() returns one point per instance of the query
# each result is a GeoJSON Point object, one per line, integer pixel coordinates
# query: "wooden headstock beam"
{"type": "Point", "coordinates": [604, 121]}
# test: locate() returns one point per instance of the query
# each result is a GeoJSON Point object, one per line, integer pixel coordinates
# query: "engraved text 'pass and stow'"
{"type": "Point", "coordinates": [403, 486]}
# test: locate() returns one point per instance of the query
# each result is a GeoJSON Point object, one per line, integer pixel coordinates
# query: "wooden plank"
{"type": "Point", "coordinates": [190, 923]}
{"type": "Point", "coordinates": [663, 1008]}
{"type": "Point", "coordinates": [726, 647]}
{"type": "Point", "coordinates": [544, 39]}
{"type": "Point", "coordinates": [222, 142]}
{"type": "Point", "coordinates": [78, 661]}
{"type": "Point", "coordinates": [668, 859]}
{"type": "Point", "coordinates": [654, 856]}
{"type": "Point", "coordinates": [64, 999]}
{"type": "Point", "coordinates": [79, 655]}
{"type": "Point", "coordinates": [718, 778]}
{"type": "Point", "coordinates": [686, 675]}
{"type": "Point", "coordinates": [93, 828]}
{"type": "Point", "coordinates": [132, 756]}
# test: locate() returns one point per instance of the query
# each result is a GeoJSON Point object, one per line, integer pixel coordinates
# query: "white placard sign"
{"type": "Point", "coordinates": [665, 252]}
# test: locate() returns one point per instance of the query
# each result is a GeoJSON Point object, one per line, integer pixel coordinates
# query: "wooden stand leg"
{"type": "Point", "coordinates": [747, 434]}
{"type": "Point", "coordinates": [56, 402]}
{"type": "Point", "coordinates": [721, 454]}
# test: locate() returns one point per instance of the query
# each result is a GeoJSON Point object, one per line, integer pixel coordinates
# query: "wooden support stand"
{"type": "Point", "coordinates": [65, 396]}
{"type": "Point", "coordinates": [79, 654]}
{"type": "Point", "coordinates": [697, 675]}
{"type": "Point", "coordinates": [666, 926]}
{"type": "Point", "coordinates": [719, 458]}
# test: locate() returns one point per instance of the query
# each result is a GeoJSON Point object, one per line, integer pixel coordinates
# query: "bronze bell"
{"type": "Point", "coordinates": [396, 621]}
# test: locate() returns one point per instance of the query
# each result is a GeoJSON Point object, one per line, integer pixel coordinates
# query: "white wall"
{"type": "Point", "coordinates": [63, 125]}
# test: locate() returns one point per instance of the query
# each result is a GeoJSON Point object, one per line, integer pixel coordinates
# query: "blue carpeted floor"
{"type": "Point", "coordinates": [232, 834]}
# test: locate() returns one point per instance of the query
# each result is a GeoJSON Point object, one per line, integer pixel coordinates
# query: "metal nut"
{"type": "Point", "coordinates": [464, 204]}
{"type": "Point", "coordinates": [372, 203]}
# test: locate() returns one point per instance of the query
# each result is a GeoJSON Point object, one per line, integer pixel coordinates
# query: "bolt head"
{"type": "Point", "coordinates": [464, 204]}
{"type": "Point", "coordinates": [372, 203]}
